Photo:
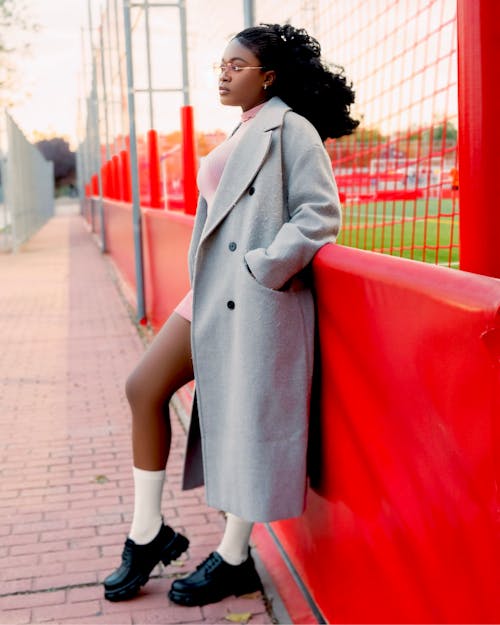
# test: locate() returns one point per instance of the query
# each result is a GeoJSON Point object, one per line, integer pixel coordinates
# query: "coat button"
{"type": "Point", "coordinates": [251, 191]}
{"type": "Point", "coordinates": [231, 304]}
{"type": "Point", "coordinates": [232, 246]}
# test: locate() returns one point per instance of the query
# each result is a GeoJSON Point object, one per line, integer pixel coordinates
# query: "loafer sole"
{"type": "Point", "coordinates": [127, 592]}
{"type": "Point", "coordinates": [198, 599]}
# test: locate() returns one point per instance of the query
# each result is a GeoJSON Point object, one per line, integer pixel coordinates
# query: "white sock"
{"type": "Point", "coordinates": [234, 545]}
{"type": "Point", "coordinates": [147, 519]}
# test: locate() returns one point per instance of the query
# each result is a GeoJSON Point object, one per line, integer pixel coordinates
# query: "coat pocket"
{"type": "Point", "coordinates": [249, 276]}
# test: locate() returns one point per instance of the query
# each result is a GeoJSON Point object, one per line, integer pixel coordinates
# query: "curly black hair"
{"type": "Point", "coordinates": [303, 81]}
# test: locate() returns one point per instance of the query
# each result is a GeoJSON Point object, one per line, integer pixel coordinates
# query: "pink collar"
{"type": "Point", "coordinates": [246, 115]}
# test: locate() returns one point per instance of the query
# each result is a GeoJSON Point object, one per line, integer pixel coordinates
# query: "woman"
{"type": "Point", "coordinates": [268, 202]}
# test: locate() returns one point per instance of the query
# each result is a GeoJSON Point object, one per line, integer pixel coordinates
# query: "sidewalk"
{"type": "Point", "coordinates": [68, 344]}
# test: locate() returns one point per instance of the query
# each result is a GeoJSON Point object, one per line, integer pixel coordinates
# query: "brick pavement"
{"type": "Point", "coordinates": [68, 344]}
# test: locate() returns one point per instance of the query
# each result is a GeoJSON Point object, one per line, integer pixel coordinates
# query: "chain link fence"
{"type": "Point", "coordinates": [27, 188]}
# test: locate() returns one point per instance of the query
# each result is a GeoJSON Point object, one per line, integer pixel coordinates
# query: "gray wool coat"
{"type": "Point", "coordinates": [252, 329]}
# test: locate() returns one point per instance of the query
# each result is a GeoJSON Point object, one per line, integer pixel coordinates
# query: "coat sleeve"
{"type": "Point", "coordinates": [314, 209]}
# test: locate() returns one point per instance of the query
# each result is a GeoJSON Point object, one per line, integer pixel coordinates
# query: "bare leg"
{"type": "Point", "coordinates": [164, 368]}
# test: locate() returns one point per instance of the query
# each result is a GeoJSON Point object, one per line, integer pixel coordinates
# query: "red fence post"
{"type": "Point", "coordinates": [188, 160]}
{"type": "Point", "coordinates": [117, 175]}
{"type": "Point", "coordinates": [154, 170]}
{"type": "Point", "coordinates": [125, 167]}
{"type": "Point", "coordinates": [111, 179]}
{"type": "Point", "coordinates": [479, 135]}
{"type": "Point", "coordinates": [112, 169]}
{"type": "Point", "coordinates": [95, 185]}
{"type": "Point", "coordinates": [104, 180]}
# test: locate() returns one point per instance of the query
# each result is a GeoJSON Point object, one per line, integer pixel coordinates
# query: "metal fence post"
{"type": "Point", "coordinates": [94, 100]}
{"type": "Point", "coordinates": [249, 13]}
{"type": "Point", "coordinates": [136, 208]}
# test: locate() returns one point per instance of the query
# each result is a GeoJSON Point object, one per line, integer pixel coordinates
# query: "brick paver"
{"type": "Point", "coordinates": [68, 344]}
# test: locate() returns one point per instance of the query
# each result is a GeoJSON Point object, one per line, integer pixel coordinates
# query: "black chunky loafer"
{"type": "Point", "coordinates": [139, 560]}
{"type": "Point", "coordinates": [213, 580]}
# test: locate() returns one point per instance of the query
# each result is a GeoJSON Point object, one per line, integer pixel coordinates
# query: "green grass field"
{"type": "Point", "coordinates": [423, 229]}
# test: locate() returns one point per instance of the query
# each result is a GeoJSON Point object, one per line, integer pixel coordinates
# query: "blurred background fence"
{"type": "Point", "coordinates": [26, 187]}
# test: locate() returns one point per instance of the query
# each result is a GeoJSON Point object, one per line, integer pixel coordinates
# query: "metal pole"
{"type": "Point", "coordinates": [120, 78]}
{"type": "Point", "coordinates": [85, 172]}
{"type": "Point", "coordinates": [249, 13]}
{"type": "Point", "coordinates": [136, 209]}
{"type": "Point", "coordinates": [109, 62]}
{"type": "Point", "coordinates": [184, 51]}
{"type": "Point", "coordinates": [479, 134]}
{"type": "Point", "coordinates": [104, 92]}
{"type": "Point", "coordinates": [96, 129]}
{"type": "Point", "coordinates": [148, 57]}
{"type": "Point", "coordinates": [97, 148]}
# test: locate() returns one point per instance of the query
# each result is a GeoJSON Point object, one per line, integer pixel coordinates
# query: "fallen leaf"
{"type": "Point", "coordinates": [243, 617]}
{"type": "Point", "coordinates": [252, 595]}
{"type": "Point", "coordinates": [101, 479]}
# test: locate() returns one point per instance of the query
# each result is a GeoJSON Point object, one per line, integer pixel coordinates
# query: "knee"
{"type": "Point", "coordinates": [143, 395]}
{"type": "Point", "coordinates": [134, 390]}
{"type": "Point", "coordinates": [138, 391]}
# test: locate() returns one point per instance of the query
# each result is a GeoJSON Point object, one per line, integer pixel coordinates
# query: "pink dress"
{"type": "Point", "coordinates": [209, 175]}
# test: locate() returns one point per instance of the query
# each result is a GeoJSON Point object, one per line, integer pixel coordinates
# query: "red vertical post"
{"type": "Point", "coordinates": [188, 160]}
{"type": "Point", "coordinates": [104, 180]}
{"type": "Point", "coordinates": [110, 177]}
{"type": "Point", "coordinates": [154, 170]}
{"type": "Point", "coordinates": [109, 183]}
{"type": "Point", "coordinates": [117, 177]}
{"type": "Point", "coordinates": [114, 180]}
{"type": "Point", "coordinates": [95, 185]}
{"type": "Point", "coordinates": [125, 166]}
{"type": "Point", "coordinates": [479, 135]}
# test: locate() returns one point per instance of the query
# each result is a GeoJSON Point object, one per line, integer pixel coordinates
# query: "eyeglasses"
{"type": "Point", "coordinates": [220, 68]}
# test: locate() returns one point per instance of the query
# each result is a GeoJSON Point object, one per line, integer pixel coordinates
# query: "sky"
{"type": "Point", "coordinates": [50, 72]}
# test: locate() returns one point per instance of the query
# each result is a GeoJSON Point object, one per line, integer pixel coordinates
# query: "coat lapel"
{"type": "Point", "coordinates": [245, 162]}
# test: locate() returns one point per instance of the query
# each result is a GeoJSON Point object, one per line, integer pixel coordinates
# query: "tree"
{"type": "Point", "coordinates": [438, 130]}
{"type": "Point", "coordinates": [13, 21]}
{"type": "Point", "coordinates": [58, 151]}
{"type": "Point", "coordinates": [447, 130]}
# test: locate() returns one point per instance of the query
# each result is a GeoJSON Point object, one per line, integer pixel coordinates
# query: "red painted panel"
{"type": "Point", "coordinates": [403, 526]}
{"type": "Point", "coordinates": [120, 238]}
{"type": "Point", "coordinates": [166, 237]}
